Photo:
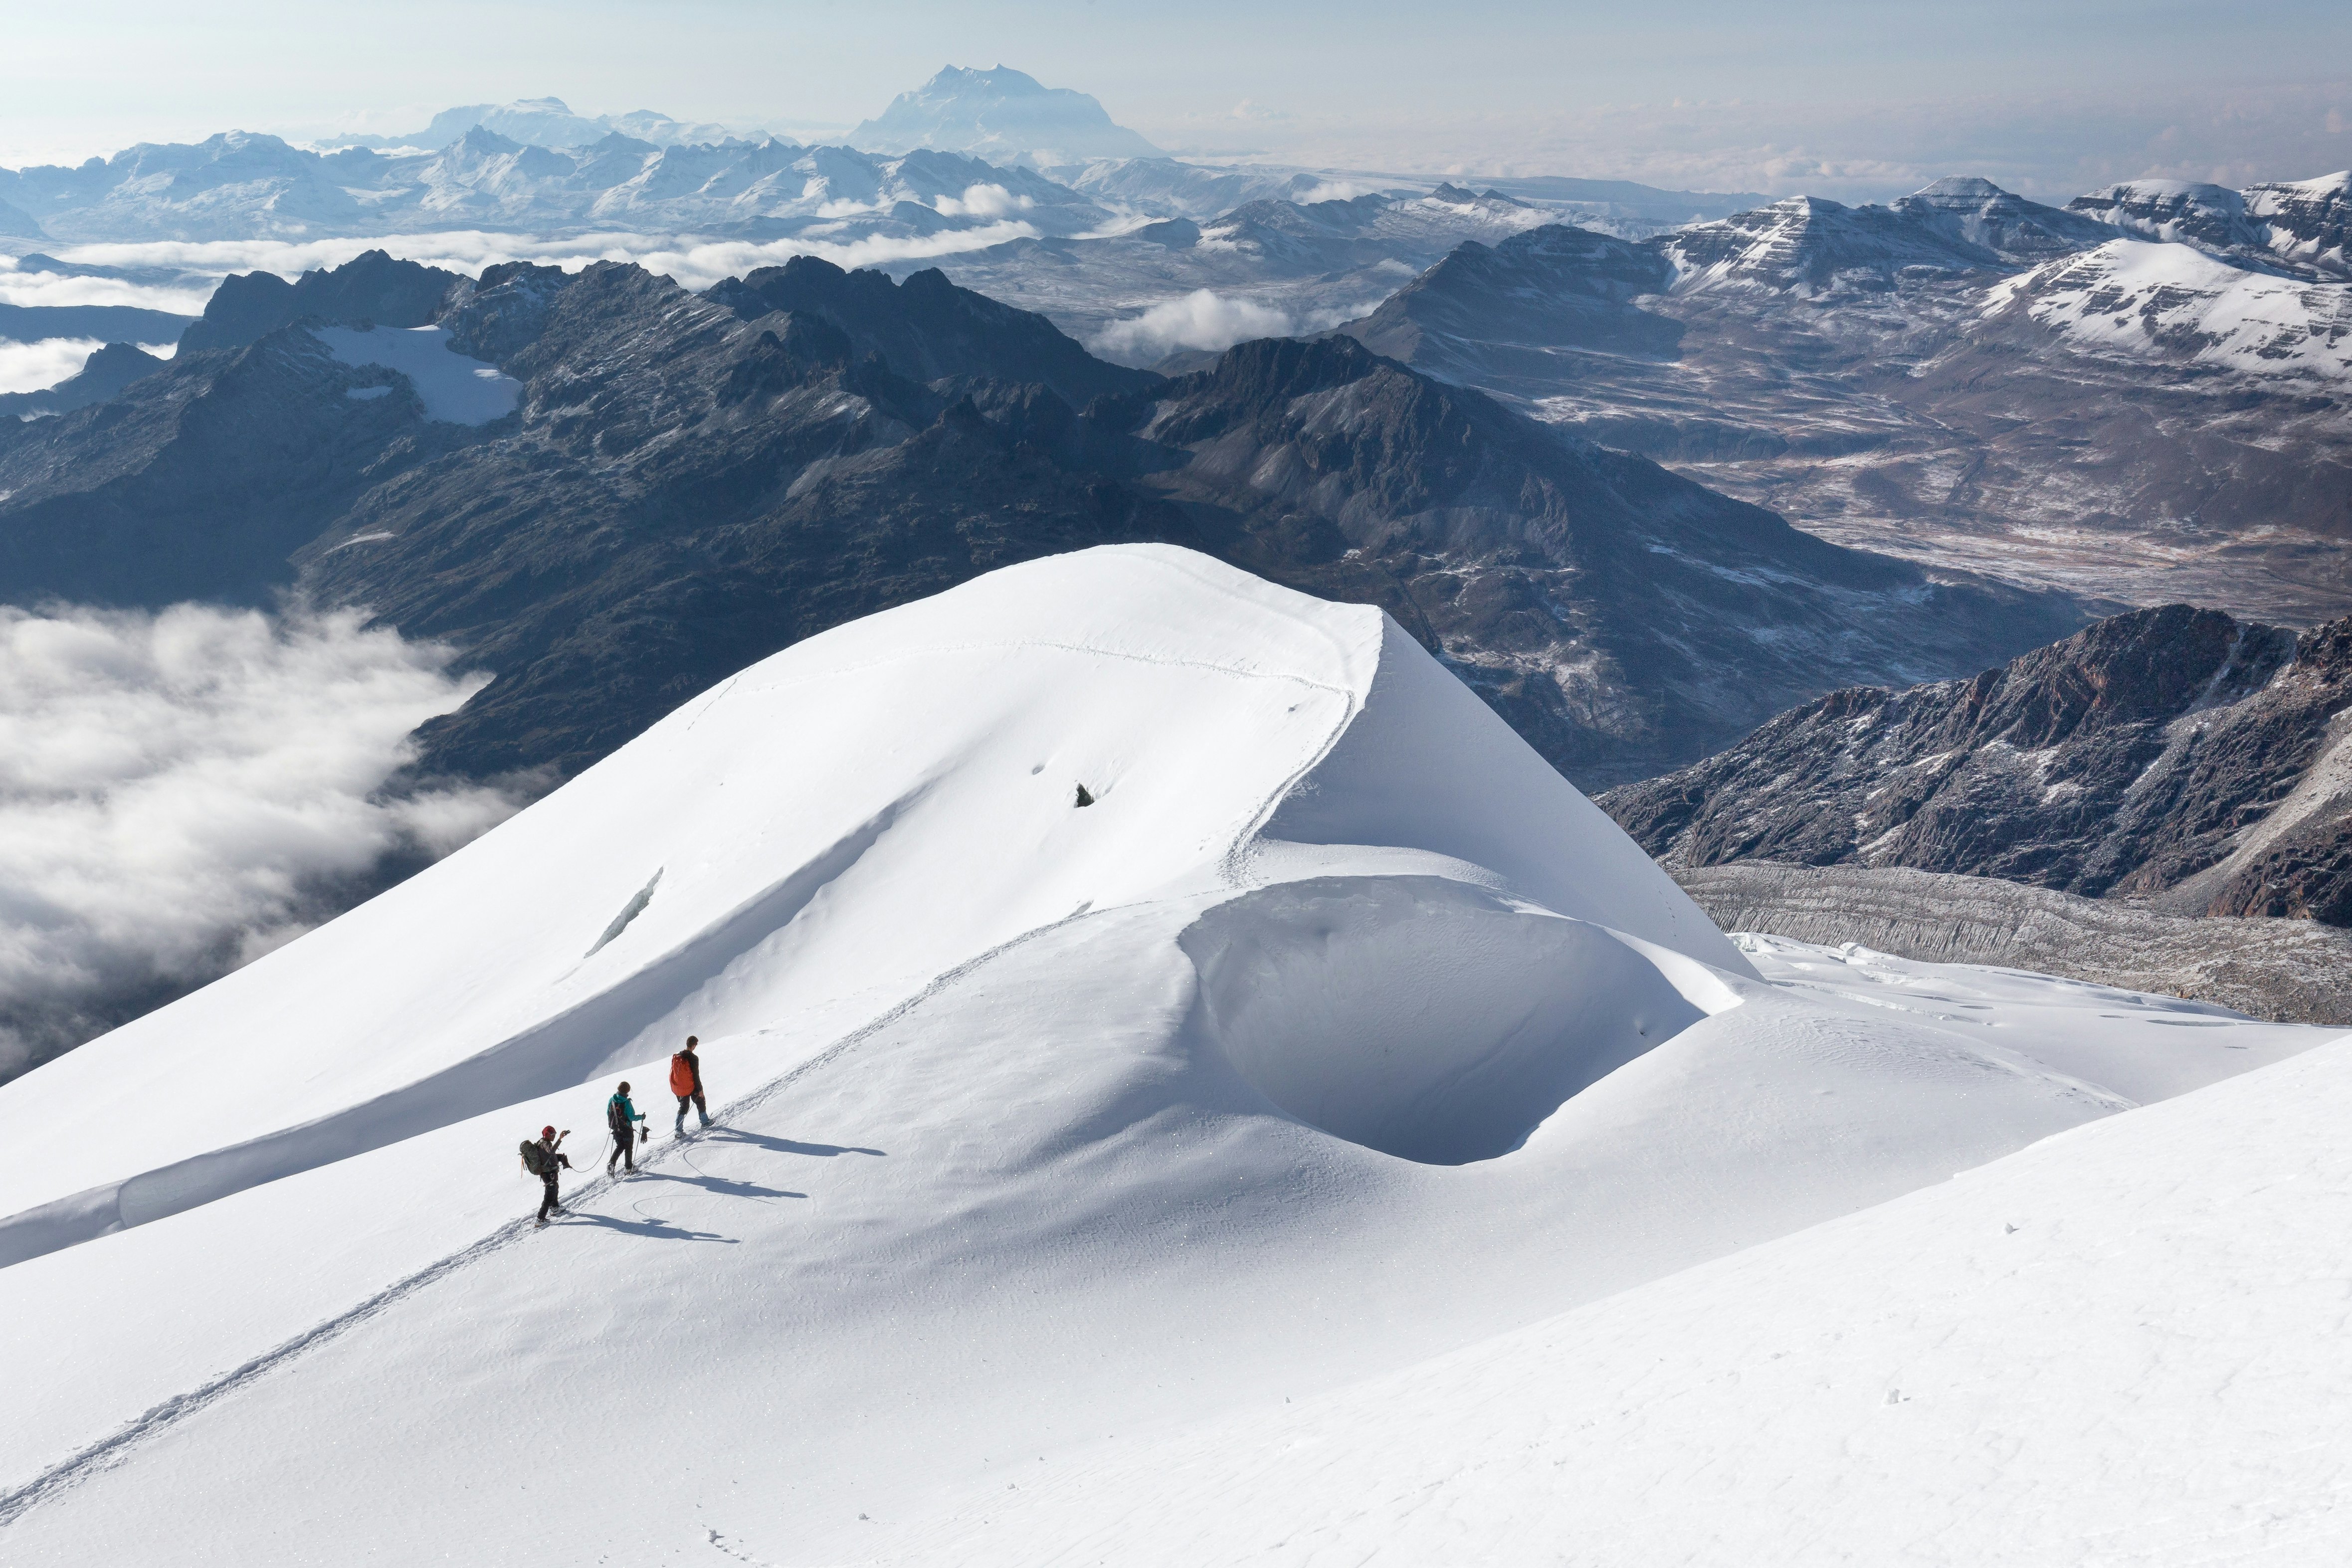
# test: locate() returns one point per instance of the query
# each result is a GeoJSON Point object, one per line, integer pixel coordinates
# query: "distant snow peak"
{"type": "Point", "coordinates": [1812, 246]}
{"type": "Point", "coordinates": [543, 122]}
{"type": "Point", "coordinates": [2301, 224]}
{"type": "Point", "coordinates": [1005, 115]}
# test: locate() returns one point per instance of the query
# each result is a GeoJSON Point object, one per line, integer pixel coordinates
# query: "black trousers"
{"type": "Point", "coordinates": [700, 1109]}
{"type": "Point", "coordinates": [547, 1203]}
{"type": "Point", "coordinates": [625, 1147]}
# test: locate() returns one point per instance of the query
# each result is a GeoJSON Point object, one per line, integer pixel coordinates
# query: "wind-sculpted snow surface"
{"type": "Point", "coordinates": [1134, 996]}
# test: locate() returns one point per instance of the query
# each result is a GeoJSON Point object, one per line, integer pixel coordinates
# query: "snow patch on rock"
{"type": "Point", "coordinates": [453, 388]}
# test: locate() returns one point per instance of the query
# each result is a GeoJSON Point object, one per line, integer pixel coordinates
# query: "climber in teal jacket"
{"type": "Point", "coordinates": [624, 1118]}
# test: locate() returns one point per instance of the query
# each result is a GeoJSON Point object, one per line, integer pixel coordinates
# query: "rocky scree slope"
{"type": "Point", "coordinates": [2291, 972]}
{"type": "Point", "coordinates": [688, 482]}
{"type": "Point", "coordinates": [1962, 377]}
{"type": "Point", "coordinates": [2172, 756]}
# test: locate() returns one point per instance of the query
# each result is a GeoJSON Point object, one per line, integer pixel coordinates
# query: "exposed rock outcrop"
{"type": "Point", "coordinates": [2171, 756]}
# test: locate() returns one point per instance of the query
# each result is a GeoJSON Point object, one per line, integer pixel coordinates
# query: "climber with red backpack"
{"type": "Point", "coordinates": [686, 1082]}
{"type": "Point", "coordinates": [542, 1157]}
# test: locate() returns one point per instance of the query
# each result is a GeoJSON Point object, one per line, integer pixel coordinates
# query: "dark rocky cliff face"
{"type": "Point", "coordinates": [371, 290]}
{"type": "Point", "coordinates": [690, 482]}
{"type": "Point", "coordinates": [2173, 754]}
{"type": "Point", "coordinates": [1549, 288]}
{"type": "Point", "coordinates": [1616, 614]}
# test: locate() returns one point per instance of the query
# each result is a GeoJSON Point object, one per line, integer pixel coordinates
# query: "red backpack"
{"type": "Point", "coordinates": [681, 1076]}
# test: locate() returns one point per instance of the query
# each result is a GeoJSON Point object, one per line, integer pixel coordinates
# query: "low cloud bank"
{"type": "Point", "coordinates": [29, 367]}
{"type": "Point", "coordinates": [181, 792]}
{"type": "Point", "coordinates": [183, 271]}
{"type": "Point", "coordinates": [1206, 320]}
{"type": "Point", "coordinates": [1200, 320]}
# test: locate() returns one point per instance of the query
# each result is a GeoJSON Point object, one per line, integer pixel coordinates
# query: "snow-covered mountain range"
{"type": "Point", "coordinates": [2174, 303]}
{"type": "Point", "coordinates": [244, 187]}
{"type": "Point", "coordinates": [1161, 1026]}
{"type": "Point", "coordinates": [2301, 224]}
{"type": "Point", "coordinates": [543, 123]}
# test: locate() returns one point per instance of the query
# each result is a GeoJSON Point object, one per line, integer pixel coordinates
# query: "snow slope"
{"type": "Point", "coordinates": [2171, 301]}
{"type": "Point", "coordinates": [2122, 1346]}
{"type": "Point", "coordinates": [1335, 1035]}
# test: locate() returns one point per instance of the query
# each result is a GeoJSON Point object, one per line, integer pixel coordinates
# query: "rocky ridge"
{"type": "Point", "coordinates": [690, 482]}
{"type": "Point", "coordinates": [2174, 757]}
{"type": "Point", "coordinates": [106, 372]}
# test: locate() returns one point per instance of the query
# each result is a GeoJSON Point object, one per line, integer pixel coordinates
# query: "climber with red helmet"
{"type": "Point", "coordinates": [542, 1157]}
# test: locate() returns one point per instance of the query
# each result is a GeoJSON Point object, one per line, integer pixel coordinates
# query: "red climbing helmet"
{"type": "Point", "coordinates": [547, 1132]}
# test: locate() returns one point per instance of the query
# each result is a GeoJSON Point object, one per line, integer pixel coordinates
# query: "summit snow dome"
{"type": "Point", "coordinates": [1132, 997]}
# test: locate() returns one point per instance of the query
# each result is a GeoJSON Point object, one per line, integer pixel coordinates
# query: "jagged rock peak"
{"type": "Point", "coordinates": [2175, 753]}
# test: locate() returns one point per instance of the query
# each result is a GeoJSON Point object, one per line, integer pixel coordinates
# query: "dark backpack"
{"type": "Point", "coordinates": [534, 1158]}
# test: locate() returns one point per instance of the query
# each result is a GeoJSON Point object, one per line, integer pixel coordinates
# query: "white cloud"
{"type": "Point", "coordinates": [697, 264]}
{"type": "Point", "coordinates": [1333, 191]}
{"type": "Point", "coordinates": [985, 201]}
{"type": "Point", "coordinates": [29, 367]}
{"type": "Point", "coordinates": [182, 297]}
{"type": "Point", "coordinates": [181, 792]}
{"type": "Point", "coordinates": [1200, 320]}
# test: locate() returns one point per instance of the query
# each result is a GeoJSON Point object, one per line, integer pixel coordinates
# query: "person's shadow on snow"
{"type": "Point", "coordinates": [719, 1184]}
{"type": "Point", "coordinates": [785, 1145]}
{"type": "Point", "coordinates": [655, 1229]}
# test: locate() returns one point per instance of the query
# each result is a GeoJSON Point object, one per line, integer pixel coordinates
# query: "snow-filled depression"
{"type": "Point", "coordinates": [1333, 1113]}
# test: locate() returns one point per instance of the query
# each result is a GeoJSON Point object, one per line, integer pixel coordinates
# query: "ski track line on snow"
{"type": "Point", "coordinates": [116, 1448]}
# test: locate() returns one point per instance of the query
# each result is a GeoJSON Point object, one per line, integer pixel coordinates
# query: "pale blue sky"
{"type": "Point", "coordinates": [1831, 95]}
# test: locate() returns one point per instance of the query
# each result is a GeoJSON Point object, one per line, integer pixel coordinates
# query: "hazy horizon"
{"type": "Point", "coordinates": [1824, 96]}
